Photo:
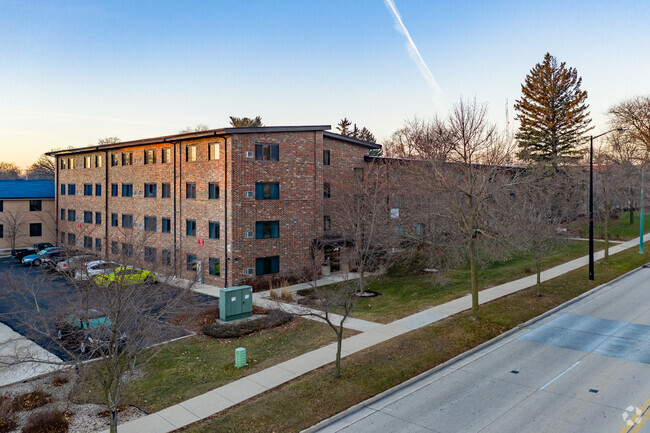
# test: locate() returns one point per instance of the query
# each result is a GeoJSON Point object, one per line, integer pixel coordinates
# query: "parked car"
{"type": "Point", "coordinates": [89, 329]}
{"type": "Point", "coordinates": [37, 259]}
{"type": "Point", "coordinates": [52, 259]}
{"type": "Point", "coordinates": [124, 276]}
{"type": "Point", "coordinates": [19, 253]}
{"type": "Point", "coordinates": [95, 268]}
{"type": "Point", "coordinates": [72, 264]}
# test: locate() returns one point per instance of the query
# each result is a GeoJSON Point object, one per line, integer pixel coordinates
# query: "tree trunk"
{"type": "Point", "coordinates": [631, 208]}
{"type": "Point", "coordinates": [539, 275]}
{"type": "Point", "coordinates": [606, 233]}
{"type": "Point", "coordinates": [473, 278]}
{"type": "Point", "coordinates": [339, 344]}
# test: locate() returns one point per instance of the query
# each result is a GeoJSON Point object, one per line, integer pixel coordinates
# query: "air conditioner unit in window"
{"type": "Point", "coordinates": [250, 271]}
{"type": "Point", "coordinates": [250, 235]}
{"type": "Point", "coordinates": [249, 154]}
{"type": "Point", "coordinates": [249, 194]}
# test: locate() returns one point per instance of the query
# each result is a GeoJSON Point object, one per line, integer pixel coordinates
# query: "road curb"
{"type": "Point", "coordinates": [464, 355]}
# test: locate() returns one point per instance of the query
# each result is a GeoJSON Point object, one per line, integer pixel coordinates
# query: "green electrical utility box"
{"type": "Point", "coordinates": [235, 303]}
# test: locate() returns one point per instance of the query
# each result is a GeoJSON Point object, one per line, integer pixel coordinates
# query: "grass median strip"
{"type": "Point", "coordinates": [317, 395]}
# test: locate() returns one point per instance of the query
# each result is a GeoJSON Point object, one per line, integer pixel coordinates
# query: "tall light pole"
{"type": "Point", "coordinates": [641, 215]}
{"type": "Point", "coordinates": [591, 199]}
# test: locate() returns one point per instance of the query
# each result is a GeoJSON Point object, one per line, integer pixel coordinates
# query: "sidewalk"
{"type": "Point", "coordinates": [212, 402]}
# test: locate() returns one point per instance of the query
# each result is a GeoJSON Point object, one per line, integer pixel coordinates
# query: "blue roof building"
{"type": "Point", "coordinates": [26, 189]}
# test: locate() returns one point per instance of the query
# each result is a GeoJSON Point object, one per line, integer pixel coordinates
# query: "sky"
{"type": "Point", "coordinates": [72, 72]}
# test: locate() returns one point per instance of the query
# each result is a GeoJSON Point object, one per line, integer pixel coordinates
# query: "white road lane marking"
{"type": "Point", "coordinates": [558, 376]}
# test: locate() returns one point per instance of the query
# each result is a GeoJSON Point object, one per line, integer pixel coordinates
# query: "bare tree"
{"type": "Point", "coordinates": [633, 114]}
{"type": "Point", "coordinates": [15, 225]}
{"type": "Point", "coordinates": [106, 325]}
{"type": "Point", "coordinates": [43, 168]}
{"type": "Point", "coordinates": [9, 171]}
{"type": "Point", "coordinates": [197, 128]}
{"type": "Point", "coordinates": [108, 140]}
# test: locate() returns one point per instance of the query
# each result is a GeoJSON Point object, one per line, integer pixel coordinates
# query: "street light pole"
{"type": "Point", "coordinates": [641, 215]}
{"type": "Point", "coordinates": [591, 199]}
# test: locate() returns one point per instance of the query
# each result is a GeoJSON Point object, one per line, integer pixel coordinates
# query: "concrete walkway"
{"type": "Point", "coordinates": [229, 395]}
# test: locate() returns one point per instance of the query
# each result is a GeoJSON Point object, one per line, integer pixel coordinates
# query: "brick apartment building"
{"type": "Point", "coordinates": [243, 202]}
{"type": "Point", "coordinates": [26, 213]}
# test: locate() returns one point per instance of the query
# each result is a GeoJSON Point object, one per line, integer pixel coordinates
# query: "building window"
{"type": "Point", "coordinates": [150, 189]}
{"type": "Point", "coordinates": [267, 191]}
{"type": "Point", "coordinates": [358, 173]}
{"type": "Point", "coordinates": [190, 228]}
{"type": "Point", "coordinates": [397, 202]}
{"type": "Point", "coordinates": [88, 217]}
{"type": "Point", "coordinates": [114, 245]}
{"type": "Point", "coordinates": [150, 156]}
{"type": "Point", "coordinates": [2, 205]}
{"type": "Point", "coordinates": [213, 190]}
{"type": "Point", "coordinates": [150, 254]}
{"type": "Point", "coordinates": [98, 244]}
{"type": "Point", "coordinates": [190, 190]}
{"type": "Point", "coordinates": [267, 265]}
{"type": "Point", "coordinates": [127, 221]}
{"type": "Point", "coordinates": [63, 163]}
{"type": "Point", "coordinates": [98, 217]}
{"type": "Point", "coordinates": [214, 230]}
{"type": "Point", "coordinates": [326, 157]}
{"type": "Point", "coordinates": [72, 239]}
{"type": "Point", "coordinates": [150, 223]}
{"type": "Point", "coordinates": [2, 231]}
{"type": "Point", "coordinates": [114, 219]}
{"type": "Point", "coordinates": [419, 229]}
{"type": "Point", "coordinates": [62, 214]}
{"type": "Point", "coordinates": [88, 242]}
{"type": "Point", "coordinates": [98, 161]}
{"type": "Point", "coordinates": [114, 161]}
{"type": "Point", "coordinates": [88, 189]}
{"type": "Point", "coordinates": [215, 266]}
{"type": "Point", "coordinates": [267, 152]}
{"type": "Point", "coordinates": [190, 153]}
{"type": "Point", "coordinates": [71, 164]}
{"type": "Point", "coordinates": [62, 189]}
{"type": "Point", "coordinates": [327, 190]}
{"type": "Point", "coordinates": [213, 151]}
{"type": "Point", "coordinates": [113, 190]}
{"type": "Point", "coordinates": [191, 262]}
{"type": "Point", "coordinates": [72, 189]}
{"type": "Point", "coordinates": [399, 230]}
{"type": "Point", "coordinates": [88, 161]}
{"type": "Point", "coordinates": [267, 229]}
{"type": "Point", "coordinates": [166, 190]}
{"type": "Point", "coordinates": [127, 158]}
{"type": "Point", "coordinates": [62, 238]}
{"type": "Point", "coordinates": [35, 230]}
{"type": "Point", "coordinates": [327, 223]}
{"type": "Point", "coordinates": [127, 190]}
{"type": "Point", "coordinates": [72, 215]}
{"type": "Point", "coordinates": [98, 189]}
{"type": "Point", "coordinates": [166, 256]}
{"type": "Point", "coordinates": [127, 249]}
{"type": "Point", "coordinates": [166, 225]}
{"type": "Point", "coordinates": [35, 205]}
{"type": "Point", "coordinates": [166, 155]}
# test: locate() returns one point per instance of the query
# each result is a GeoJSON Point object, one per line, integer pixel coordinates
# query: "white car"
{"type": "Point", "coordinates": [94, 268]}
{"type": "Point", "coordinates": [73, 264]}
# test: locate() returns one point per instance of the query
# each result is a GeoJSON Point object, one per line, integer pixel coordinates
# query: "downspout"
{"type": "Point", "coordinates": [57, 189]}
{"type": "Point", "coordinates": [106, 201]}
{"type": "Point", "coordinates": [175, 204]}
{"type": "Point", "coordinates": [225, 209]}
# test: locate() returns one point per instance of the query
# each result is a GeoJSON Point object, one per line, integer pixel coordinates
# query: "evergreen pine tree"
{"type": "Point", "coordinates": [344, 126]}
{"type": "Point", "coordinates": [552, 112]}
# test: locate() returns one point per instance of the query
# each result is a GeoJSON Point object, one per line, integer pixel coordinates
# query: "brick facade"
{"type": "Point", "coordinates": [299, 208]}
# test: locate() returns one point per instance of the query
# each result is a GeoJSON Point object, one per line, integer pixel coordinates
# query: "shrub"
{"type": "Point", "coordinates": [47, 421]}
{"type": "Point", "coordinates": [286, 294]}
{"type": "Point", "coordinates": [234, 330]}
{"type": "Point", "coordinates": [31, 400]}
{"type": "Point", "coordinates": [60, 379]}
{"type": "Point", "coordinates": [7, 418]}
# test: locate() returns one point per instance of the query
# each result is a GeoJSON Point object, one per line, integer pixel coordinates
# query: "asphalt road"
{"type": "Point", "coordinates": [586, 368]}
{"type": "Point", "coordinates": [52, 294]}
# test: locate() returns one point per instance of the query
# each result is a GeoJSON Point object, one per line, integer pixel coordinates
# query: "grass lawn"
{"type": "Point", "coordinates": [402, 296]}
{"type": "Point", "coordinates": [317, 395]}
{"type": "Point", "coordinates": [619, 229]}
{"type": "Point", "coordinates": [195, 365]}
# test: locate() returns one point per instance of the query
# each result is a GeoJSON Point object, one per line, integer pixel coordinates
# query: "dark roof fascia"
{"type": "Point", "coordinates": [351, 140]}
{"type": "Point", "coordinates": [190, 136]}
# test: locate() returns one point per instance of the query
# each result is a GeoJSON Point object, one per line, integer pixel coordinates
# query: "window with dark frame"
{"type": "Point", "coordinates": [98, 161]}
{"type": "Point", "coordinates": [267, 265]}
{"type": "Point", "coordinates": [98, 189]}
{"type": "Point", "coordinates": [327, 190]}
{"type": "Point", "coordinates": [190, 153]}
{"type": "Point", "coordinates": [358, 173]}
{"type": "Point", "coordinates": [88, 242]}
{"type": "Point", "coordinates": [114, 190]}
{"type": "Point", "coordinates": [150, 156]}
{"type": "Point", "coordinates": [114, 247]}
{"type": "Point", "coordinates": [114, 220]}
{"type": "Point", "coordinates": [98, 244]}
{"type": "Point", "coordinates": [267, 229]}
{"type": "Point", "coordinates": [127, 249]}
{"type": "Point", "coordinates": [72, 189]}
{"type": "Point", "coordinates": [35, 229]}
{"type": "Point", "coordinates": [2, 231]}
{"type": "Point", "coordinates": [267, 191]}
{"type": "Point", "coordinates": [150, 190]}
{"type": "Point", "coordinates": [150, 254]}
{"type": "Point", "coordinates": [190, 227]}
{"type": "Point", "coordinates": [114, 160]}
{"type": "Point", "coordinates": [127, 158]}
{"type": "Point", "coordinates": [191, 262]}
{"type": "Point", "coordinates": [327, 223]}
{"type": "Point", "coordinates": [214, 266]}
{"type": "Point", "coordinates": [166, 225]}
{"type": "Point", "coordinates": [72, 239]}
{"type": "Point", "coordinates": [62, 214]}
{"type": "Point", "coordinates": [166, 190]}
{"type": "Point", "coordinates": [62, 238]}
{"type": "Point", "coordinates": [150, 223]}
{"type": "Point", "coordinates": [166, 257]}
{"type": "Point", "coordinates": [88, 189]}
{"type": "Point", "coordinates": [88, 217]}
{"type": "Point", "coordinates": [267, 152]}
{"type": "Point", "coordinates": [127, 221]}
{"type": "Point", "coordinates": [166, 155]}
{"type": "Point", "coordinates": [213, 151]}
{"type": "Point", "coordinates": [127, 190]}
{"type": "Point", "coordinates": [62, 189]}
{"type": "Point", "coordinates": [190, 190]}
{"type": "Point", "coordinates": [88, 162]}
{"type": "Point", "coordinates": [214, 230]}
{"type": "Point", "coordinates": [72, 215]}
{"type": "Point", "coordinates": [213, 191]}
{"type": "Point", "coordinates": [326, 157]}
{"type": "Point", "coordinates": [35, 205]}
{"type": "Point", "coordinates": [98, 217]}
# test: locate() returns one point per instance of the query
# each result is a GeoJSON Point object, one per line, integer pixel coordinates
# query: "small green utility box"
{"type": "Point", "coordinates": [235, 303]}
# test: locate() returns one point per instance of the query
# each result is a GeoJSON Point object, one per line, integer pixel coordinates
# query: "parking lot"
{"type": "Point", "coordinates": [25, 289]}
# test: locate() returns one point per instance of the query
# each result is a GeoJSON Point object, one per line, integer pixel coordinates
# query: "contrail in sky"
{"type": "Point", "coordinates": [79, 116]}
{"type": "Point", "coordinates": [413, 49]}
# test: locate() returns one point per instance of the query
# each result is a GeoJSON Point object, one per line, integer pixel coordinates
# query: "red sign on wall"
{"type": "Point", "coordinates": [78, 225]}
{"type": "Point", "coordinates": [201, 242]}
